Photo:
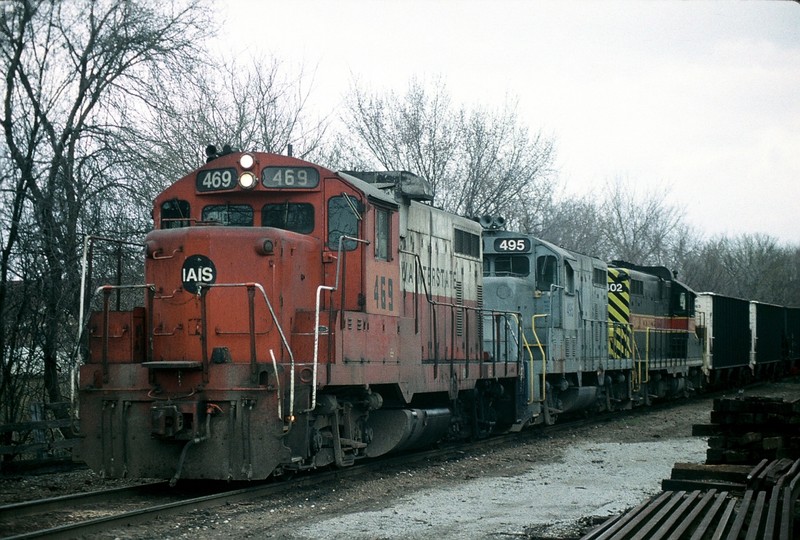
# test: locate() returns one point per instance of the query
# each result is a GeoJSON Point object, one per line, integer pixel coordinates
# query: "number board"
{"type": "Point", "coordinates": [216, 179]}
{"type": "Point", "coordinates": [514, 245]}
{"type": "Point", "coordinates": [290, 177]}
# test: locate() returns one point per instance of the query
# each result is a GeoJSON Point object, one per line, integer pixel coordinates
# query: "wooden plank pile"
{"type": "Point", "coordinates": [748, 488]}
{"type": "Point", "coordinates": [750, 429]}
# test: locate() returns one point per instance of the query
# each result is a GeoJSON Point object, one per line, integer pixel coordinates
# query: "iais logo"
{"type": "Point", "coordinates": [197, 269]}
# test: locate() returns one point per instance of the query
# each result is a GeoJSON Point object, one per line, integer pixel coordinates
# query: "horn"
{"type": "Point", "coordinates": [499, 222]}
{"type": "Point", "coordinates": [485, 221]}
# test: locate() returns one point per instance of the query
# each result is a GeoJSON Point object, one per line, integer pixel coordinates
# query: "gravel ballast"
{"type": "Point", "coordinates": [545, 486]}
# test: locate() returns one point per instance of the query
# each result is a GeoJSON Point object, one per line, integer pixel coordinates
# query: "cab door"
{"type": "Point", "coordinates": [344, 213]}
{"type": "Point", "coordinates": [382, 265]}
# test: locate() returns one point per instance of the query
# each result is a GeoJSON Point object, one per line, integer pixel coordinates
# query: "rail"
{"type": "Point", "coordinates": [528, 348]}
{"type": "Point", "coordinates": [501, 331]}
{"type": "Point", "coordinates": [202, 292]}
{"type": "Point", "coordinates": [640, 377]}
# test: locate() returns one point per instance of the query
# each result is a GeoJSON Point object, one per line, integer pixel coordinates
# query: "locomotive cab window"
{"type": "Point", "coordinates": [570, 278]}
{"type": "Point", "coordinates": [343, 217]}
{"type": "Point", "coordinates": [546, 272]}
{"type": "Point", "coordinates": [230, 215]}
{"type": "Point", "coordinates": [637, 287]}
{"type": "Point", "coordinates": [599, 278]}
{"type": "Point", "coordinates": [295, 217]}
{"type": "Point", "coordinates": [512, 265]}
{"type": "Point", "coordinates": [174, 214]}
{"type": "Point", "coordinates": [382, 224]}
{"type": "Point", "coordinates": [683, 304]}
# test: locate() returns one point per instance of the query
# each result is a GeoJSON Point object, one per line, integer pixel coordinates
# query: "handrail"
{"type": "Point", "coordinates": [530, 361]}
{"type": "Point", "coordinates": [85, 260]}
{"type": "Point", "coordinates": [661, 332]}
{"type": "Point", "coordinates": [418, 270]}
{"type": "Point", "coordinates": [106, 290]}
{"type": "Point", "coordinates": [156, 255]}
{"type": "Point", "coordinates": [544, 357]}
{"type": "Point", "coordinates": [278, 382]}
{"type": "Point", "coordinates": [636, 353]}
{"type": "Point", "coordinates": [321, 288]}
{"type": "Point", "coordinates": [251, 286]}
{"type": "Point", "coordinates": [527, 346]}
{"type": "Point", "coordinates": [87, 241]}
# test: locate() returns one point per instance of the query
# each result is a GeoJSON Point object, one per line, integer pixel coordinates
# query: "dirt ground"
{"type": "Point", "coordinates": [544, 487]}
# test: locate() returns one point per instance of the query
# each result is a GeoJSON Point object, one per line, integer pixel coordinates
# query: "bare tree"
{"type": "Point", "coordinates": [749, 266]}
{"type": "Point", "coordinates": [638, 228]}
{"type": "Point", "coordinates": [67, 65]}
{"type": "Point", "coordinates": [684, 250]}
{"type": "Point", "coordinates": [259, 105]}
{"type": "Point", "coordinates": [575, 223]}
{"type": "Point", "coordinates": [417, 132]}
{"type": "Point", "coordinates": [504, 170]}
{"type": "Point", "coordinates": [478, 161]}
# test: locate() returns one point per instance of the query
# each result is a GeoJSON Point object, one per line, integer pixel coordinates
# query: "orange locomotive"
{"type": "Point", "coordinates": [293, 317]}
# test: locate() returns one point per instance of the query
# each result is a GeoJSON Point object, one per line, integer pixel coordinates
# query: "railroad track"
{"type": "Point", "coordinates": [85, 514]}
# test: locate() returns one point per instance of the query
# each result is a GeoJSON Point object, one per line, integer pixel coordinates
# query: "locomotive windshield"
{"type": "Point", "coordinates": [233, 215]}
{"type": "Point", "coordinates": [174, 214]}
{"type": "Point", "coordinates": [512, 265]}
{"type": "Point", "coordinates": [296, 217]}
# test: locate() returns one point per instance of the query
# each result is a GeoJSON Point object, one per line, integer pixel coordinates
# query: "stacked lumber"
{"type": "Point", "coordinates": [747, 430]}
{"type": "Point", "coordinates": [748, 487]}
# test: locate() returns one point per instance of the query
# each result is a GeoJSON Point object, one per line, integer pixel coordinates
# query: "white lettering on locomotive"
{"type": "Point", "coordinates": [204, 274]}
{"type": "Point", "coordinates": [197, 269]}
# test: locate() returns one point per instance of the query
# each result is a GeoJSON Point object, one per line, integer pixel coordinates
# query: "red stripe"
{"type": "Point", "coordinates": [642, 322]}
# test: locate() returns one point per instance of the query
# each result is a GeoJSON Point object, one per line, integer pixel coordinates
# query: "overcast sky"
{"type": "Point", "coordinates": [702, 97]}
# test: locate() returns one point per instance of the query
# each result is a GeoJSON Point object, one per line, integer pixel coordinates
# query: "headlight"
{"type": "Point", "coordinates": [246, 161]}
{"type": "Point", "coordinates": [247, 180]}
{"type": "Point", "coordinates": [265, 246]}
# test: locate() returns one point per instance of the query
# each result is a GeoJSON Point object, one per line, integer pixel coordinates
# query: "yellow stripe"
{"type": "Point", "coordinates": [619, 312]}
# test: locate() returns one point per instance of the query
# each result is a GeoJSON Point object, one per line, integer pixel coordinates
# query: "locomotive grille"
{"type": "Point", "coordinates": [459, 312]}
{"type": "Point", "coordinates": [480, 307]}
